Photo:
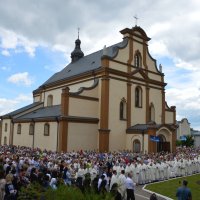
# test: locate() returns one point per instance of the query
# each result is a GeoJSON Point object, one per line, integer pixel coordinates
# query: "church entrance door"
{"type": "Point", "coordinates": [136, 146]}
{"type": "Point", "coordinates": [163, 145]}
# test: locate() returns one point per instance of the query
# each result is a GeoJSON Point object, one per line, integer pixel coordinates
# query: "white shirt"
{"type": "Point", "coordinates": [130, 184]}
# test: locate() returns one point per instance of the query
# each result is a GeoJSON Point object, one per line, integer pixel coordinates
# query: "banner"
{"type": "Point", "coordinates": [183, 138]}
{"type": "Point", "coordinates": [154, 138]}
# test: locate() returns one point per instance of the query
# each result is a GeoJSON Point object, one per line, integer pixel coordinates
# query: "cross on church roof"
{"type": "Point", "coordinates": [136, 18]}
{"type": "Point", "coordinates": [78, 32]}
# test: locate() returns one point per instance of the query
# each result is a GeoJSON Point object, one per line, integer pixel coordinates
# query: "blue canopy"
{"type": "Point", "coordinates": [154, 138]}
{"type": "Point", "coordinates": [183, 138]}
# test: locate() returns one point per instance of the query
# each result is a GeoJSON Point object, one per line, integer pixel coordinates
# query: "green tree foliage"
{"type": "Point", "coordinates": [36, 192]}
{"type": "Point", "coordinates": [188, 142]}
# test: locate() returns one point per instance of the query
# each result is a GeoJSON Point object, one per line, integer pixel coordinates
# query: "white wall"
{"type": "Point", "coordinates": [169, 117]}
{"type": "Point", "coordinates": [155, 97]}
{"type": "Point", "coordinates": [138, 115]}
{"type": "Point", "coordinates": [83, 107]}
{"type": "Point", "coordinates": [130, 138]}
{"type": "Point", "coordinates": [23, 139]}
{"type": "Point", "coordinates": [38, 139]}
{"type": "Point", "coordinates": [46, 142]}
{"type": "Point", "coordinates": [6, 133]}
{"type": "Point", "coordinates": [117, 91]}
{"type": "Point", "coordinates": [82, 136]}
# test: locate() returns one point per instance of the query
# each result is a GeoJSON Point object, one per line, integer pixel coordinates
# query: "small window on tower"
{"type": "Point", "coordinates": [19, 128]}
{"type": "Point", "coordinates": [31, 129]}
{"type": "Point", "coordinates": [6, 127]}
{"type": "Point", "coordinates": [50, 100]}
{"type": "Point", "coordinates": [137, 59]}
{"type": "Point", "coordinates": [138, 97]}
{"type": "Point", "coordinates": [46, 129]}
{"type": "Point", "coordinates": [122, 109]}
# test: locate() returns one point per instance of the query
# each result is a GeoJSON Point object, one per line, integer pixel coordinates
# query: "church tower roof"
{"type": "Point", "coordinates": [77, 53]}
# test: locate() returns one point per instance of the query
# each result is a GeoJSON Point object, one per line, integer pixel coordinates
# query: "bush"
{"type": "Point", "coordinates": [37, 192]}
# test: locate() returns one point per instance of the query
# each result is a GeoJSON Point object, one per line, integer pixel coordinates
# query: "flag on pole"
{"type": "Point", "coordinates": [183, 138]}
{"type": "Point", "coordinates": [154, 138]}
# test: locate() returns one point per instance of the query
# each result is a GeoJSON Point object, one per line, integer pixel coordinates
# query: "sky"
{"type": "Point", "coordinates": [37, 38]}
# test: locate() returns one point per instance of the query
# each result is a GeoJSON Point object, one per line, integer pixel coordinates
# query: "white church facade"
{"type": "Point", "coordinates": [112, 99]}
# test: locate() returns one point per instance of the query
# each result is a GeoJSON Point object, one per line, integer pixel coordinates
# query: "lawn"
{"type": "Point", "coordinates": [168, 188]}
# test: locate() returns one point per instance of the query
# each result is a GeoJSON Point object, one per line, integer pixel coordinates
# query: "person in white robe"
{"type": "Point", "coordinates": [157, 165]}
{"type": "Point", "coordinates": [122, 184]}
{"type": "Point", "coordinates": [114, 179]}
{"type": "Point", "coordinates": [142, 179]}
{"type": "Point", "coordinates": [136, 173]}
{"type": "Point", "coordinates": [152, 172]}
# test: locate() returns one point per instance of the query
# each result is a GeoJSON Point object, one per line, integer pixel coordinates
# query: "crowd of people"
{"type": "Point", "coordinates": [116, 172]}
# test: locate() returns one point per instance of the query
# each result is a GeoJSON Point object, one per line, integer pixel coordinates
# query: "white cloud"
{"type": "Point", "coordinates": [21, 78]}
{"type": "Point", "coordinates": [9, 105]}
{"type": "Point", "coordinates": [5, 68]}
{"type": "Point", "coordinates": [159, 48]}
{"type": "Point", "coordinates": [5, 53]}
{"type": "Point", "coordinates": [12, 40]}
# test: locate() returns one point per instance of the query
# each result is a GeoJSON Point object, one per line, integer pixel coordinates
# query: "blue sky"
{"type": "Point", "coordinates": [36, 39]}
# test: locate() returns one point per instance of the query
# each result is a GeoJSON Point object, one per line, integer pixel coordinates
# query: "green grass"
{"type": "Point", "coordinates": [168, 188]}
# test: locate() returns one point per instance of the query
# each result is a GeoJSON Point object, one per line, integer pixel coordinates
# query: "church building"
{"type": "Point", "coordinates": [112, 99]}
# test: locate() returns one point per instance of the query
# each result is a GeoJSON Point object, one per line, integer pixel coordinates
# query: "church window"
{"type": "Point", "coordinates": [152, 112]}
{"type": "Point", "coordinates": [6, 127]}
{"type": "Point", "coordinates": [31, 129]}
{"type": "Point", "coordinates": [46, 129]}
{"type": "Point", "coordinates": [122, 109]}
{"type": "Point", "coordinates": [137, 59]}
{"type": "Point", "coordinates": [19, 128]}
{"type": "Point", "coordinates": [5, 140]}
{"type": "Point", "coordinates": [138, 97]}
{"type": "Point", "coordinates": [136, 146]}
{"type": "Point", "coordinates": [50, 100]}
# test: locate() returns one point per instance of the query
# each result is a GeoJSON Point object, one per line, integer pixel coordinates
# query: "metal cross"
{"type": "Point", "coordinates": [136, 18]}
{"type": "Point", "coordinates": [78, 32]}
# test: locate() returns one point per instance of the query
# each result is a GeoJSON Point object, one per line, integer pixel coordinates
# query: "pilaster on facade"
{"type": "Point", "coordinates": [11, 132]}
{"type": "Point", "coordinates": [129, 84]}
{"type": "Point", "coordinates": [151, 144]}
{"type": "Point", "coordinates": [128, 111]}
{"type": "Point", "coordinates": [147, 104]}
{"type": "Point", "coordinates": [163, 106]}
{"type": "Point", "coordinates": [63, 134]}
{"type": "Point", "coordinates": [104, 111]}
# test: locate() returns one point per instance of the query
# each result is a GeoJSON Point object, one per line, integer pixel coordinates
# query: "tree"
{"type": "Point", "coordinates": [188, 142]}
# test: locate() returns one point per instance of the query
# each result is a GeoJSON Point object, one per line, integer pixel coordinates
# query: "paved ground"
{"type": "Point", "coordinates": [143, 195]}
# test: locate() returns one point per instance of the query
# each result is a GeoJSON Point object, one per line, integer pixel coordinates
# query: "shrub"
{"type": "Point", "coordinates": [37, 192]}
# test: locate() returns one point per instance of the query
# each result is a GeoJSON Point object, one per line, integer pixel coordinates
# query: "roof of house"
{"type": "Point", "coordinates": [87, 63]}
{"type": "Point", "coordinates": [21, 110]}
{"type": "Point", "coordinates": [51, 113]}
{"type": "Point", "coordinates": [44, 112]}
{"type": "Point", "coordinates": [195, 132]}
{"type": "Point", "coordinates": [149, 125]}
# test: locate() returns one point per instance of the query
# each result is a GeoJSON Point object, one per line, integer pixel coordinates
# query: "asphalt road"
{"type": "Point", "coordinates": [143, 195]}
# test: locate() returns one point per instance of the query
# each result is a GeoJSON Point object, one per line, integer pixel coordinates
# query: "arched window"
{"type": "Point", "coordinates": [19, 129]}
{"type": "Point", "coordinates": [152, 112]}
{"type": "Point", "coordinates": [6, 127]}
{"type": "Point", "coordinates": [138, 97]}
{"type": "Point", "coordinates": [46, 129]}
{"type": "Point", "coordinates": [5, 140]}
{"type": "Point", "coordinates": [31, 129]}
{"type": "Point", "coordinates": [122, 109]}
{"type": "Point", "coordinates": [50, 100]}
{"type": "Point", "coordinates": [136, 146]}
{"type": "Point", "coordinates": [137, 59]}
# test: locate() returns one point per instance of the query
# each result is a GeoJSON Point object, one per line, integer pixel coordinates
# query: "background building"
{"type": "Point", "coordinates": [112, 99]}
{"type": "Point", "coordinates": [183, 128]}
{"type": "Point", "coordinates": [196, 136]}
